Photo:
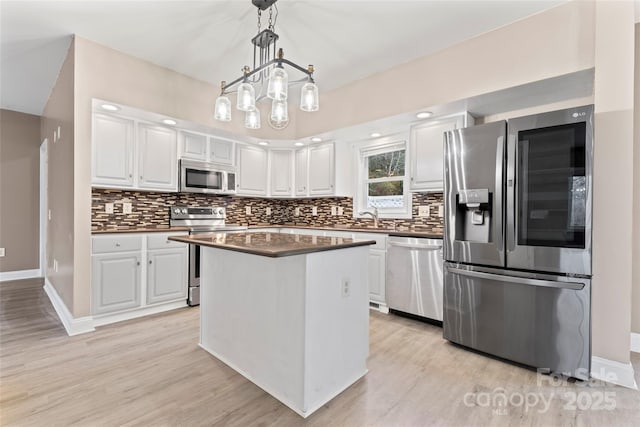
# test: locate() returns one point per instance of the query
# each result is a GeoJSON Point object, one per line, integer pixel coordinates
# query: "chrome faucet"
{"type": "Point", "coordinates": [373, 215]}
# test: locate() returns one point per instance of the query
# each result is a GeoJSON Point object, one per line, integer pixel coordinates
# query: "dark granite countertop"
{"type": "Point", "coordinates": [271, 244]}
{"type": "Point", "coordinates": [139, 230]}
{"type": "Point", "coordinates": [389, 231]}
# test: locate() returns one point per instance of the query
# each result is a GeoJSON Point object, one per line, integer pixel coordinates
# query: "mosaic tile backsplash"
{"type": "Point", "coordinates": [152, 210]}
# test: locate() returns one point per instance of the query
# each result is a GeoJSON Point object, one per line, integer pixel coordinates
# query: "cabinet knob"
{"type": "Point", "coordinates": [140, 176]}
{"type": "Point", "coordinates": [150, 262]}
{"type": "Point", "coordinates": [130, 175]}
{"type": "Point", "coordinates": [118, 245]}
{"type": "Point", "coordinates": [138, 263]}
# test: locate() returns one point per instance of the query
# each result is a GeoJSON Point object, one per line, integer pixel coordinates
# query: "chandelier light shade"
{"type": "Point", "coordinates": [252, 119]}
{"type": "Point", "coordinates": [246, 97]}
{"type": "Point", "coordinates": [309, 99]}
{"type": "Point", "coordinates": [267, 80]}
{"type": "Point", "coordinates": [278, 87]}
{"type": "Point", "coordinates": [222, 109]}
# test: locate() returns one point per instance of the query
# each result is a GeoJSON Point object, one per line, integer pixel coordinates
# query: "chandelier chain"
{"type": "Point", "coordinates": [259, 24]}
{"type": "Point", "coordinates": [271, 18]}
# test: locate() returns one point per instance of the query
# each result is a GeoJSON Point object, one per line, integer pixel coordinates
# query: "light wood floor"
{"type": "Point", "coordinates": [150, 372]}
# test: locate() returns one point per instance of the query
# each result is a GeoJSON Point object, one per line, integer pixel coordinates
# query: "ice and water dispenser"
{"type": "Point", "coordinates": [473, 216]}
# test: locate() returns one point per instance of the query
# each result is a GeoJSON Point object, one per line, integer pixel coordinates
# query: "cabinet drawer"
{"type": "Point", "coordinates": [161, 241]}
{"type": "Point", "coordinates": [106, 244]}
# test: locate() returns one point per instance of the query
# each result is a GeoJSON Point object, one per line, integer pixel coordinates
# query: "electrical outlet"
{"type": "Point", "coordinates": [296, 212]}
{"type": "Point", "coordinates": [2, 252]}
{"type": "Point", "coordinates": [314, 210]}
{"type": "Point", "coordinates": [340, 211]}
{"type": "Point", "coordinates": [268, 211]}
{"type": "Point", "coordinates": [346, 287]}
{"type": "Point", "coordinates": [108, 208]}
{"type": "Point", "coordinates": [127, 208]}
{"type": "Point", "coordinates": [247, 210]}
{"type": "Point", "coordinates": [334, 210]}
{"type": "Point", "coordinates": [440, 211]}
{"type": "Point", "coordinates": [423, 211]}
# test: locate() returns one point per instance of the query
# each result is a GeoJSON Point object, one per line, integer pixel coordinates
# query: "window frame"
{"type": "Point", "coordinates": [363, 180]}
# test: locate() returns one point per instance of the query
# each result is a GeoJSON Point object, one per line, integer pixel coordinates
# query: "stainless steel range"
{"type": "Point", "coordinates": [199, 220]}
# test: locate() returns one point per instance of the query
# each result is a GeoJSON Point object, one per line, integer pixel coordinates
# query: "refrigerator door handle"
{"type": "Point", "coordinates": [511, 193]}
{"type": "Point", "coordinates": [576, 286]}
{"type": "Point", "coordinates": [499, 202]}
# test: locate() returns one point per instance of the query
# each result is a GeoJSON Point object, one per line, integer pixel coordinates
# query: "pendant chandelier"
{"type": "Point", "coordinates": [268, 80]}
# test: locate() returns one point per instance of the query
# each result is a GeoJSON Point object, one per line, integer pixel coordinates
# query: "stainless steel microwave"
{"type": "Point", "coordinates": [203, 177]}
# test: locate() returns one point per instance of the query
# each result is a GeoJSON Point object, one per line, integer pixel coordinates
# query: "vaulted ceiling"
{"type": "Point", "coordinates": [210, 40]}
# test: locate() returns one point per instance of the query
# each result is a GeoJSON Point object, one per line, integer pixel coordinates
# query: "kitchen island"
{"type": "Point", "coordinates": [288, 312]}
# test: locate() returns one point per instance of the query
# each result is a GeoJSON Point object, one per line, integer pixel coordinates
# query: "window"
{"type": "Point", "coordinates": [382, 181]}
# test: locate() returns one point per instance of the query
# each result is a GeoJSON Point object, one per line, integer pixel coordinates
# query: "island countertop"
{"type": "Point", "coordinates": [271, 244]}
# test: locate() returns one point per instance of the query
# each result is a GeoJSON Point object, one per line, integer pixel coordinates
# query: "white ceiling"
{"type": "Point", "coordinates": [210, 40]}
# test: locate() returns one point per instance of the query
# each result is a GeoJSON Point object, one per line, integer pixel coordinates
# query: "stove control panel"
{"type": "Point", "coordinates": [188, 212]}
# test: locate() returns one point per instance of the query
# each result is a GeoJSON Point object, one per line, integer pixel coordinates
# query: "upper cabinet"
{"type": "Point", "coordinates": [112, 151]}
{"type": "Point", "coordinates": [157, 151]}
{"type": "Point", "coordinates": [281, 162]}
{"type": "Point", "coordinates": [206, 148]}
{"type": "Point", "coordinates": [301, 168]}
{"type": "Point", "coordinates": [124, 158]}
{"type": "Point", "coordinates": [321, 169]}
{"type": "Point", "coordinates": [427, 151]}
{"type": "Point", "coordinates": [252, 170]}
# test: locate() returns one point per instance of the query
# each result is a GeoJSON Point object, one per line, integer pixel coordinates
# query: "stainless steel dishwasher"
{"type": "Point", "coordinates": [414, 276]}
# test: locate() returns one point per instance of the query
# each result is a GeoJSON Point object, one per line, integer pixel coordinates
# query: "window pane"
{"type": "Point", "coordinates": [386, 164]}
{"type": "Point", "coordinates": [385, 195]}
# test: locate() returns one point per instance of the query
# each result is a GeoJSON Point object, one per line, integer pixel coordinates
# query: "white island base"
{"type": "Point", "coordinates": [296, 326]}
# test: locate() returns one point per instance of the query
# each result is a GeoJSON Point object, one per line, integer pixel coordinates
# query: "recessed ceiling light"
{"type": "Point", "coordinates": [376, 134]}
{"type": "Point", "coordinates": [424, 114]}
{"type": "Point", "coordinates": [316, 139]}
{"type": "Point", "coordinates": [263, 143]}
{"type": "Point", "coordinates": [110, 107]}
{"type": "Point", "coordinates": [298, 144]}
{"type": "Point", "coordinates": [169, 122]}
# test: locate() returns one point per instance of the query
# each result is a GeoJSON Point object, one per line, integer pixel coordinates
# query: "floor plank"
{"type": "Point", "coordinates": [150, 371]}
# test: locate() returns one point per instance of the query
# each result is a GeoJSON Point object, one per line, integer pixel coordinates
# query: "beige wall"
{"type": "Point", "coordinates": [19, 190]}
{"type": "Point", "coordinates": [553, 43]}
{"type": "Point", "coordinates": [60, 246]}
{"type": "Point", "coordinates": [613, 180]}
{"type": "Point", "coordinates": [635, 308]}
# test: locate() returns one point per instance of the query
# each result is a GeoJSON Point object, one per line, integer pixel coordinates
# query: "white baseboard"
{"type": "Point", "coordinates": [105, 319]}
{"type": "Point", "coordinates": [621, 374]}
{"type": "Point", "coordinates": [20, 274]}
{"type": "Point", "coordinates": [73, 326]}
{"type": "Point", "coordinates": [635, 342]}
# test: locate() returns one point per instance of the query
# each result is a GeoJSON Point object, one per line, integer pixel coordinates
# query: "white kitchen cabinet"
{"type": "Point", "coordinates": [252, 170]}
{"type": "Point", "coordinates": [116, 281]}
{"type": "Point", "coordinates": [157, 158]}
{"type": "Point", "coordinates": [112, 151]}
{"type": "Point", "coordinates": [301, 169]}
{"type": "Point", "coordinates": [281, 172]}
{"type": "Point", "coordinates": [193, 146]}
{"type": "Point", "coordinates": [166, 273]}
{"type": "Point", "coordinates": [426, 151]}
{"type": "Point", "coordinates": [321, 169]}
{"type": "Point", "coordinates": [377, 275]}
{"type": "Point", "coordinates": [220, 150]}
{"type": "Point", "coordinates": [137, 274]}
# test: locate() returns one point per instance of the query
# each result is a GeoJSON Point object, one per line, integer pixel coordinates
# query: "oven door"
{"type": "Point", "coordinates": [549, 180]}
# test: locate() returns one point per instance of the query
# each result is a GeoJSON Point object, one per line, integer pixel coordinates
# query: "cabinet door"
{"type": "Point", "coordinates": [167, 275]}
{"type": "Point", "coordinates": [112, 151]}
{"type": "Point", "coordinates": [115, 282]}
{"type": "Point", "coordinates": [281, 172]}
{"type": "Point", "coordinates": [252, 171]}
{"type": "Point", "coordinates": [220, 150]}
{"type": "Point", "coordinates": [158, 160]}
{"type": "Point", "coordinates": [377, 271]}
{"type": "Point", "coordinates": [321, 171]}
{"type": "Point", "coordinates": [427, 153]}
{"type": "Point", "coordinates": [194, 146]}
{"type": "Point", "coordinates": [302, 163]}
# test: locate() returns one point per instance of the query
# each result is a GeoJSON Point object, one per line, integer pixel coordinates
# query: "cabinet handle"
{"type": "Point", "coordinates": [118, 245]}
{"type": "Point", "coordinates": [138, 263]}
{"type": "Point", "coordinates": [150, 262]}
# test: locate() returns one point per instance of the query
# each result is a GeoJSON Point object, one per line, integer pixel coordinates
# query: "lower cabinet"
{"type": "Point", "coordinates": [135, 275]}
{"type": "Point", "coordinates": [116, 281]}
{"type": "Point", "coordinates": [166, 273]}
{"type": "Point", "coordinates": [377, 275]}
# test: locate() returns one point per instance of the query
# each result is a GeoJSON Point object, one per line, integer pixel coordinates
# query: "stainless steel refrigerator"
{"type": "Point", "coordinates": [517, 246]}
